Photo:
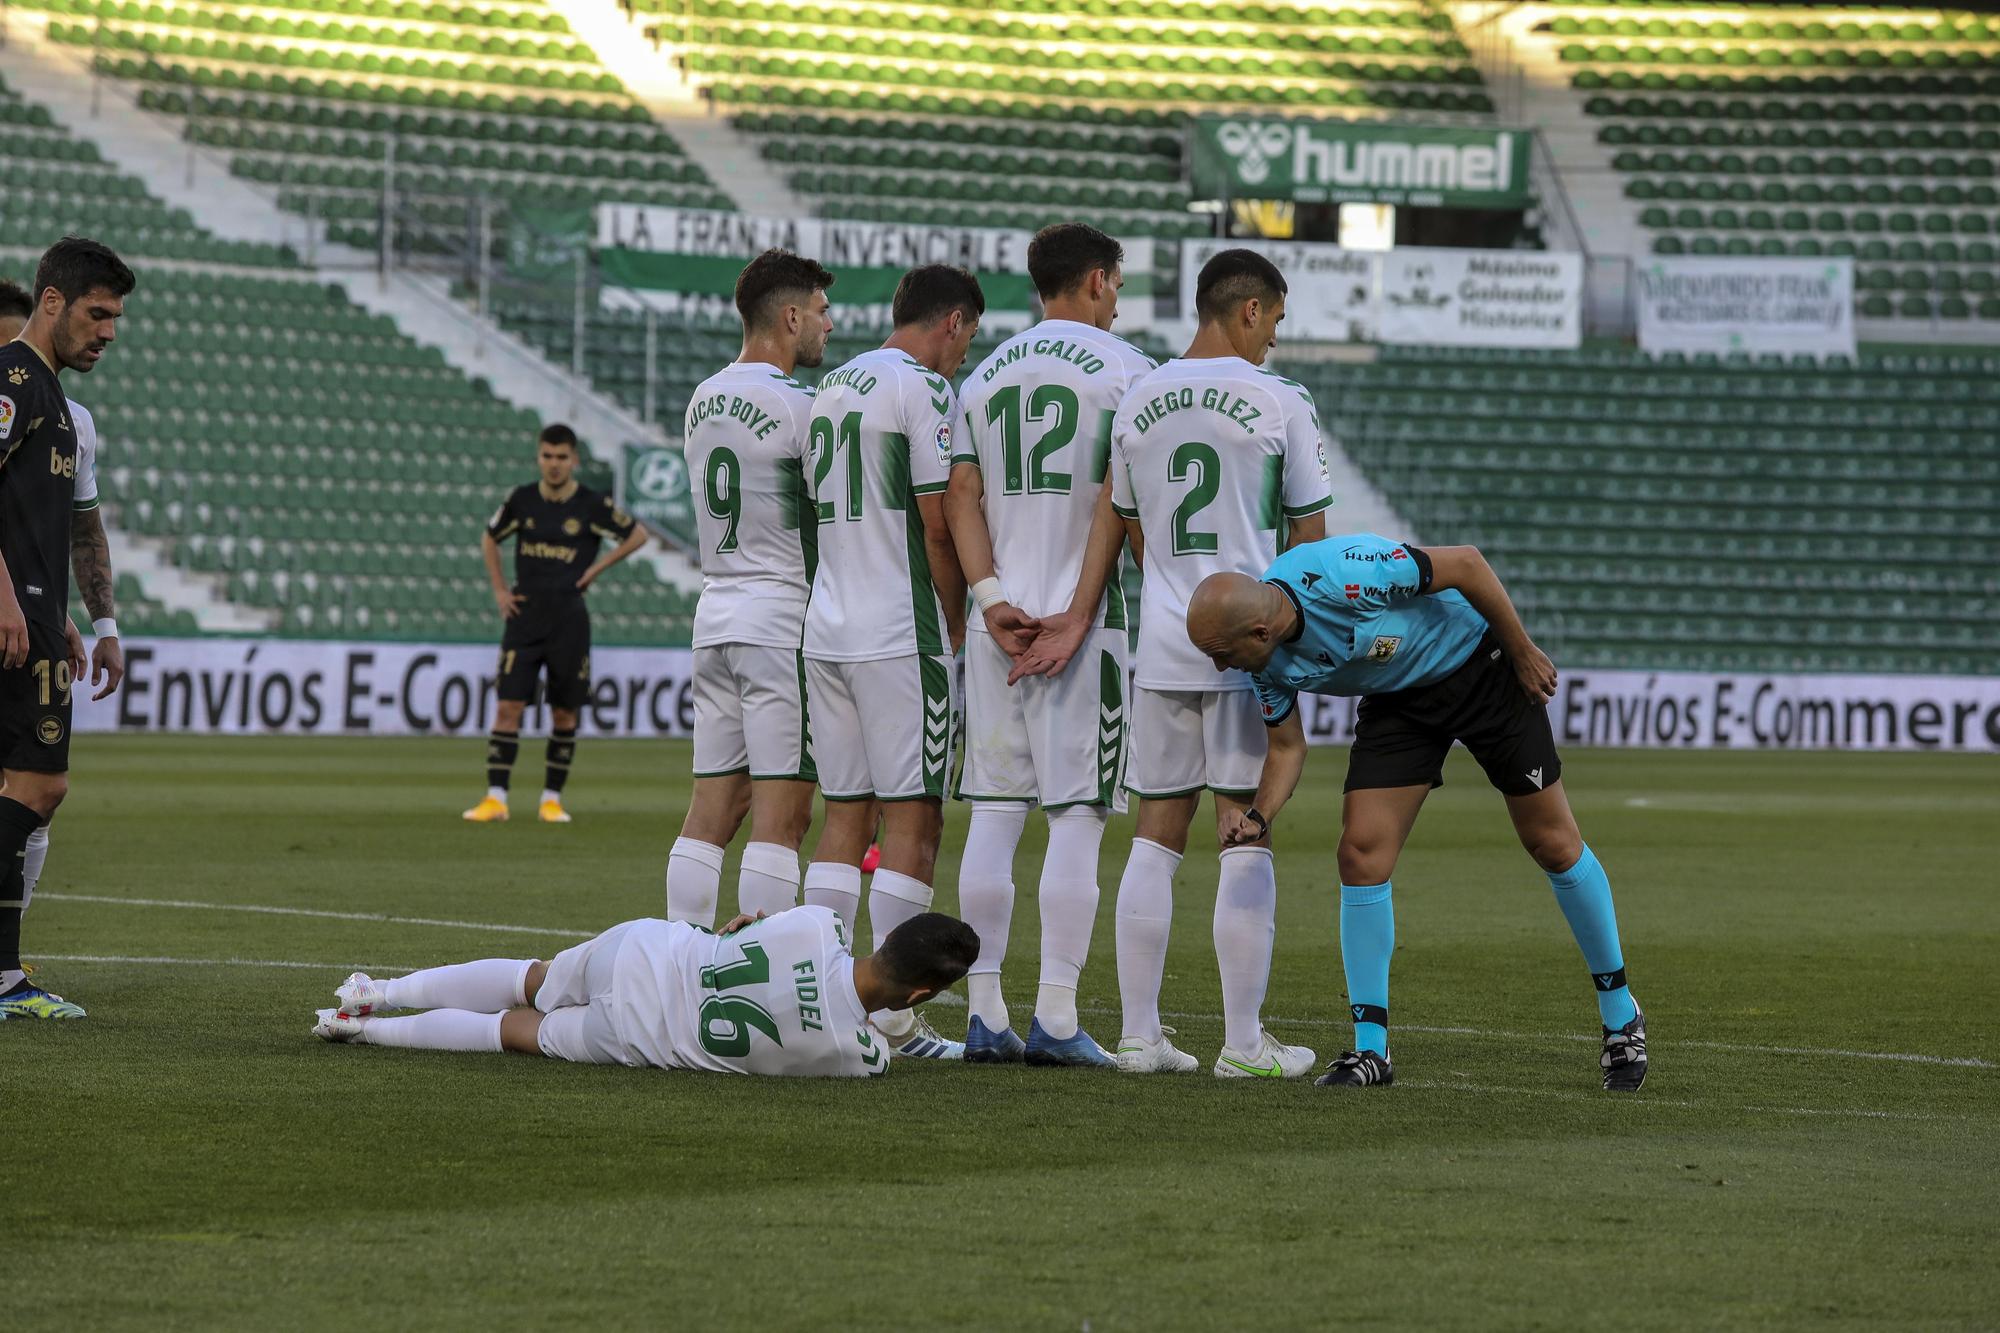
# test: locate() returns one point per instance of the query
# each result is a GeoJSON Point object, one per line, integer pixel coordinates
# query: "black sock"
{"type": "Point", "coordinates": [501, 747]}
{"type": "Point", "coordinates": [17, 821]}
{"type": "Point", "coordinates": [562, 752]}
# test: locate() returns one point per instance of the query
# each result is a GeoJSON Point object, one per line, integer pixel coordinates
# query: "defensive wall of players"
{"type": "Point", "coordinates": [221, 686]}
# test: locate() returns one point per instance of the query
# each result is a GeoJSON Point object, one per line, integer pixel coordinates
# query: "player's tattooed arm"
{"type": "Point", "coordinates": [1464, 568]}
{"type": "Point", "coordinates": [90, 561]}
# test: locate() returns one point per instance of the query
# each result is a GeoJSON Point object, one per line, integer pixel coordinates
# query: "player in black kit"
{"type": "Point", "coordinates": [80, 291]}
{"type": "Point", "coordinates": [560, 524]}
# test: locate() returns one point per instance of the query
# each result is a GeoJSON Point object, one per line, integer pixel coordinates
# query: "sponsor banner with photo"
{"type": "Point", "coordinates": [1332, 291]}
{"type": "Point", "coordinates": [654, 487]}
{"type": "Point", "coordinates": [1702, 304]}
{"type": "Point", "coordinates": [1351, 162]}
{"type": "Point", "coordinates": [298, 687]}
{"type": "Point", "coordinates": [665, 256]}
{"type": "Point", "coordinates": [1436, 297]}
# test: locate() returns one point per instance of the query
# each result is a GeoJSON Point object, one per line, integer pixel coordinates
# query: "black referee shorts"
{"type": "Point", "coordinates": [550, 633]}
{"type": "Point", "coordinates": [1401, 739]}
{"type": "Point", "coordinates": [35, 705]}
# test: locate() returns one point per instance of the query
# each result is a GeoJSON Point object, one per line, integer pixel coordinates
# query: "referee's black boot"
{"type": "Point", "coordinates": [1624, 1058]}
{"type": "Point", "coordinates": [1357, 1069]}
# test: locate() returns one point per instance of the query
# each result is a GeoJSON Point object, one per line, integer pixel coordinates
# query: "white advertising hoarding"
{"type": "Point", "coordinates": [293, 687]}
{"type": "Point", "coordinates": [1332, 296]}
{"type": "Point", "coordinates": [1704, 304]}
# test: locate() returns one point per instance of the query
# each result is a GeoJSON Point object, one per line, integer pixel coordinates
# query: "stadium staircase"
{"type": "Point", "coordinates": [1693, 513]}
{"type": "Point", "coordinates": [290, 452]}
{"type": "Point", "coordinates": [1774, 130]}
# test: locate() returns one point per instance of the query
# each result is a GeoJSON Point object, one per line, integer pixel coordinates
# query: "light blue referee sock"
{"type": "Point", "coordinates": [1584, 894]}
{"type": "Point", "coordinates": [1367, 939]}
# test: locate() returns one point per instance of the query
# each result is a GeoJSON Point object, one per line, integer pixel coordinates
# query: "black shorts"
{"type": "Point", "coordinates": [35, 705]}
{"type": "Point", "coordinates": [1401, 739]}
{"type": "Point", "coordinates": [552, 636]}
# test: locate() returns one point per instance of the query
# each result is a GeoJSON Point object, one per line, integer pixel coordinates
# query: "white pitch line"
{"type": "Point", "coordinates": [1734, 1048]}
{"type": "Point", "coordinates": [220, 962]}
{"type": "Point", "coordinates": [188, 905]}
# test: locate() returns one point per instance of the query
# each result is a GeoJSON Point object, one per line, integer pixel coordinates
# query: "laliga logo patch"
{"type": "Point", "coordinates": [6, 416]}
{"type": "Point", "coordinates": [1253, 147]}
{"type": "Point", "coordinates": [1384, 647]}
{"type": "Point", "coordinates": [944, 442]}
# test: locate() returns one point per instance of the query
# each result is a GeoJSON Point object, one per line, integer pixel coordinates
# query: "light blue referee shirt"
{"type": "Point", "coordinates": [1368, 623]}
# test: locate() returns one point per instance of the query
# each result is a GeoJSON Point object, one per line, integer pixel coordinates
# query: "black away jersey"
{"type": "Point", "coordinates": [559, 539]}
{"type": "Point", "coordinates": [37, 482]}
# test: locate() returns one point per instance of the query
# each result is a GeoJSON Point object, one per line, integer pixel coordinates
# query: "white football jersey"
{"type": "Point", "coordinates": [746, 438]}
{"type": "Point", "coordinates": [880, 437]}
{"type": "Point", "coordinates": [1212, 456]}
{"type": "Point", "coordinates": [1035, 420]}
{"type": "Point", "coordinates": [86, 456]}
{"type": "Point", "coordinates": [777, 997]}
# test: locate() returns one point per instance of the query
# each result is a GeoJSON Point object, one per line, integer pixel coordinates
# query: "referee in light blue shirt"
{"type": "Point", "coordinates": [1434, 648]}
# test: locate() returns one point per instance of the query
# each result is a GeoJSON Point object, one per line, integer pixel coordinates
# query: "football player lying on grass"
{"type": "Point", "coordinates": [776, 995]}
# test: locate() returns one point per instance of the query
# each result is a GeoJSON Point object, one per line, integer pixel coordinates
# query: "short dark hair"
{"type": "Point", "coordinates": [773, 279]}
{"type": "Point", "coordinates": [15, 301]}
{"type": "Point", "coordinates": [929, 292]}
{"type": "Point", "coordinates": [929, 952]}
{"type": "Point", "coordinates": [557, 433]}
{"type": "Point", "coordinates": [77, 266]}
{"type": "Point", "coordinates": [1063, 255]}
{"type": "Point", "coordinates": [1233, 277]}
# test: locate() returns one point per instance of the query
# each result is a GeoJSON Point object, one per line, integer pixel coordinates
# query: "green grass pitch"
{"type": "Point", "coordinates": [189, 1157]}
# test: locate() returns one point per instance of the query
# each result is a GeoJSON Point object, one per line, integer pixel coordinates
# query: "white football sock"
{"type": "Point", "coordinates": [1246, 919]}
{"type": "Point", "coordinates": [836, 884]}
{"type": "Point", "coordinates": [986, 900]}
{"type": "Point", "coordinates": [32, 862]}
{"type": "Point", "coordinates": [1069, 912]}
{"type": "Point", "coordinates": [551, 794]}
{"type": "Point", "coordinates": [694, 881]}
{"type": "Point", "coordinates": [894, 898]}
{"type": "Point", "coordinates": [438, 1030]}
{"type": "Point", "coordinates": [485, 987]}
{"type": "Point", "coordinates": [498, 793]}
{"type": "Point", "coordinates": [768, 879]}
{"type": "Point", "coordinates": [1145, 915]}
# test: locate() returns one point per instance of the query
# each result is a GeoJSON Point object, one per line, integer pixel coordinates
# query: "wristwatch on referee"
{"type": "Point", "coordinates": [1256, 816]}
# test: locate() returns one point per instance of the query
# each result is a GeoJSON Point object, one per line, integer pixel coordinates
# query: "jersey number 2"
{"type": "Point", "coordinates": [726, 1020]}
{"type": "Point", "coordinates": [1197, 460]}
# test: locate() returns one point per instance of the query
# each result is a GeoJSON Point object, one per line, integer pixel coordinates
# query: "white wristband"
{"type": "Point", "coordinates": [104, 627]}
{"type": "Point", "coordinates": [987, 594]}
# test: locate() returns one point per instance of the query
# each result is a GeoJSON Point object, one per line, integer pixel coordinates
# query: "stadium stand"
{"type": "Point", "coordinates": [492, 100]}
{"type": "Point", "coordinates": [302, 452]}
{"type": "Point", "coordinates": [964, 115]}
{"type": "Point", "coordinates": [1823, 132]}
{"type": "Point", "coordinates": [1700, 513]}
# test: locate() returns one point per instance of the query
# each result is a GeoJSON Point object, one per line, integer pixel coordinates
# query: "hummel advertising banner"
{"type": "Point", "coordinates": [1423, 295]}
{"type": "Point", "coordinates": [1702, 304]}
{"type": "Point", "coordinates": [294, 687]}
{"type": "Point", "coordinates": [658, 253]}
{"type": "Point", "coordinates": [1352, 162]}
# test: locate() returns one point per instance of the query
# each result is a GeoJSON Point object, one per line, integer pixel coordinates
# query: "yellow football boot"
{"type": "Point", "coordinates": [553, 813]}
{"type": "Point", "coordinates": [490, 810]}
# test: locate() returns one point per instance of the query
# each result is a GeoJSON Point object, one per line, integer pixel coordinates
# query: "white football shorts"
{"type": "Point", "coordinates": [1057, 740]}
{"type": "Point", "coordinates": [750, 712]}
{"type": "Point", "coordinates": [881, 728]}
{"type": "Point", "coordinates": [1185, 740]}
{"type": "Point", "coordinates": [575, 1000]}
